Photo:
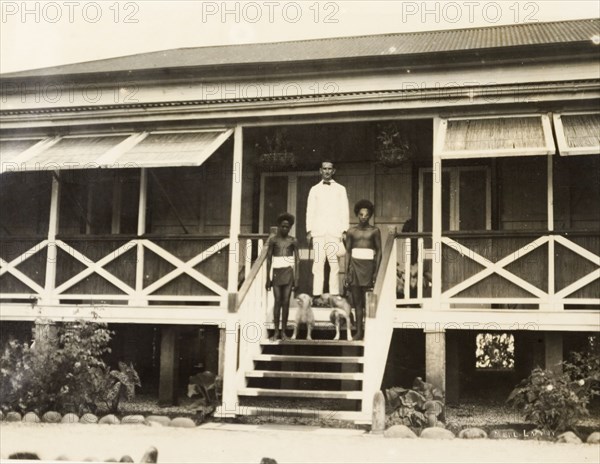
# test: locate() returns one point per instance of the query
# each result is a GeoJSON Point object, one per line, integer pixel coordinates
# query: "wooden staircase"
{"type": "Point", "coordinates": [321, 378]}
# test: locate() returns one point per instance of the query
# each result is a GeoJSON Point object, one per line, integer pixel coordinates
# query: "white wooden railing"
{"type": "Point", "coordinates": [379, 326]}
{"type": "Point", "coordinates": [549, 270]}
{"type": "Point", "coordinates": [134, 271]}
{"type": "Point", "coordinates": [246, 328]}
{"type": "Point", "coordinates": [249, 250]}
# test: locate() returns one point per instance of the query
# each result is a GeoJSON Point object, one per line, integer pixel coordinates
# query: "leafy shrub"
{"type": "Point", "coordinates": [118, 384]}
{"type": "Point", "coordinates": [585, 365]}
{"type": "Point", "coordinates": [65, 373]}
{"type": "Point", "coordinates": [417, 407]}
{"type": "Point", "coordinates": [495, 351]}
{"type": "Point", "coordinates": [553, 402]}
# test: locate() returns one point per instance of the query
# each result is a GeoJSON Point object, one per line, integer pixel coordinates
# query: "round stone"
{"type": "Point", "coordinates": [437, 433]}
{"type": "Point", "coordinates": [568, 437]}
{"type": "Point", "coordinates": [109, 419]}
{"type": "Point", "coordinates": [13, 416]}
{"type": "Point", "coordinates": [593, 438]}
{"type": "Point", "coordinates": [51, 417]}
{"type": "Point", "coordinates": [183, 422]}
{"type": "Point", "coordinates": [88, 419]}
{"type": "Point", "coordinates": [31, 418]}
{"type": "Point", "coordinates": [134, 419]}
{"type": "Point", "coordinates": [1, 416]}
{"type": "Point", "coordinates": [70, 418]}
{"type": "Point", "coordinates": [160, 420]}
{"type": "Point", "coordinates": [399, 431]}
{"type": "Point", "coordinates": [472, 433]}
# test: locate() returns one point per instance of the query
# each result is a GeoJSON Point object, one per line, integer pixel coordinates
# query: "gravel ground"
{"type": "Point", "coordinates": [231, 444]}
{"type": "Point", "coordinates": [467, 414]}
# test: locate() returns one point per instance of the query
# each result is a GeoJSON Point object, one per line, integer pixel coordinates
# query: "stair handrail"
{"type": "Point", "coordinates": [388, 249]}
{"type": "Point", "coordinates": [379, 325]}
{"type": "Point", "coordinates": [249, 281]}
{"type": "Point", "coordinates": [251, 308]}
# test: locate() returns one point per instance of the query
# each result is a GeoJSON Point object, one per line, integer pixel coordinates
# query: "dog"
{"type": "Point", "coordinates": [304, 315]}
{"type": "Point", "coordinates": [340, 310]}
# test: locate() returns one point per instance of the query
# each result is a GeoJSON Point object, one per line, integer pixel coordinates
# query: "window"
{"type": "Point", "coordinates": [495, 351]}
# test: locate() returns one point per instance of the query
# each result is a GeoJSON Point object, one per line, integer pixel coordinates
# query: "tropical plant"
{"type": "Point", "coordinates": [64, 373]}
{"type": "Point", "coordinates": [276, 152]}
{"type": "Point", "coordinates": [417, 407]}
{"type": "Point", "coordinates": [585, 366]}
{"type": "Point", "coordinates": [393, 146]}
{"type": "Point", "coordinates": [495, 351]}
{"type": "Point", "coordinates": [552, 401]}
{"type": "Point", "coordinates": [119, 384]}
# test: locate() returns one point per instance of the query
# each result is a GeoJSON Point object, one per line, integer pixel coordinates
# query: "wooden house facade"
{"type": "Point", "coordinates": [134, 192]}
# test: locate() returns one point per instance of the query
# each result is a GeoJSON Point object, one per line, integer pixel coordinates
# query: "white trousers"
{"type": "Point", "coordinates": [326, 247]}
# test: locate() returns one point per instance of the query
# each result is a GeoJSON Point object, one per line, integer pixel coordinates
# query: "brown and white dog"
{"type": "Point", "coordinates": [340, 310]}
{"type": "Point", "coordinates": [304, 315]}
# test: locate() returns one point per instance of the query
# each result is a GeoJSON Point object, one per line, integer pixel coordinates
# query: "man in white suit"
{"type": "Point", "coordinates": [327, 219]}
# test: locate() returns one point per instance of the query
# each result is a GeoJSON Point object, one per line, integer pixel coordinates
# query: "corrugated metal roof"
{"type": "Point", "coordinates": [411, 43]}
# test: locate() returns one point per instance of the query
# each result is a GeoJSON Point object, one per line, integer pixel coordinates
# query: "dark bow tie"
{"type": "Point", "coordinates": [326, 182]}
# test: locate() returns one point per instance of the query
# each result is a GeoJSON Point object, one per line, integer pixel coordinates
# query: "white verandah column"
{"type": "Point", "coordinates": [230, 404]}
{"type": "Point", "coordinates": [52, 252]}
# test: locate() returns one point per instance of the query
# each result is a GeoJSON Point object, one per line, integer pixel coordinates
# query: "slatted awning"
{"type": "Point", "coordinates": [485, 137]}
{"type": "Point", "coordinates": [11, 149]}
{"type": "Point", "coordinates": [577, 133]}
{"type": "Point", "coordinates": [173, 149]}
{"type": "Point", "coordinates": [113, 151]}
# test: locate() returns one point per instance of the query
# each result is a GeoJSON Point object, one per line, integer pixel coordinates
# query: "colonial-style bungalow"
{"type": "Point", "coordinates": [140, 190]}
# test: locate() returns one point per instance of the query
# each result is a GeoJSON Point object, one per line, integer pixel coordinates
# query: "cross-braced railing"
{"type": "Point", "coordinates": [501, 269]}
{"type": "Point", "coordinates": [120, 270]}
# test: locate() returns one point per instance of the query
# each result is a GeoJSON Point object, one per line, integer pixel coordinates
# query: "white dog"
{"type": "Point", "coordinates": [340, 310]}
{"type": "Point", "coordinates": [304, 315]}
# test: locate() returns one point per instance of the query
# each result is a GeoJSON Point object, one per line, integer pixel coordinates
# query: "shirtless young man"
{"type": "Point", "coordinates": [363, 246]}
{"type": "Point", "coordinates": [282, 255]}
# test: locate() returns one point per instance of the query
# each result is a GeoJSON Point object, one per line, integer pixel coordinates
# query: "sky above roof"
{"type": "Point", "coordinates": [39, 34]}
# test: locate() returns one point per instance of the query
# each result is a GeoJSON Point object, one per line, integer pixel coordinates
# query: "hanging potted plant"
{"type": "Point", "coordinates": [276, 153]}
{"type": "Point", "coordinates": [393, 146]}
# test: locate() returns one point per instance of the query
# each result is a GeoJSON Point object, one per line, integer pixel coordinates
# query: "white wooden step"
{"type": "Point", "coordinates": [290, 342]}
{"type": "Point", "coordinates": [341, 395]}
{"type": "Point", "coordinates": [310, 359]}
{"type": "Point", "coordinates": [306, 375]}
{"type": "Point", "coordinates": [299, 412]}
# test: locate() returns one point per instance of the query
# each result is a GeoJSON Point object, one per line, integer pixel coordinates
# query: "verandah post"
{"type": "Point", "coordinates": [436, 220]}
{"type": "Point", "coordinates": [236, 219]}
{"type": "Point", "coordinates": [51, 249]}
{"type": "Point", "coordinates": [141, 230]}
{"type": "Point", "coordinates": [230, 399]}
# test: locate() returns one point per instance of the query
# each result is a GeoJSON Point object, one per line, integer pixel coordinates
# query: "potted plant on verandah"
{"type": "Point", "coordinates": [276, 153]}
{"type": "Point", "coordinates": [393, 146]}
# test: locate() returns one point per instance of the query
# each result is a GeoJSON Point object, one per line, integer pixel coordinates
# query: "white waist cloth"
{"type": "Point", "coordinates": [282, 262]}
{"type": "Point", "coordinates": [363, 253]}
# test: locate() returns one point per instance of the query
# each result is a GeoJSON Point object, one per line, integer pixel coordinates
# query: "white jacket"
{"type": "Point", "coordinates": [327, 211]}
